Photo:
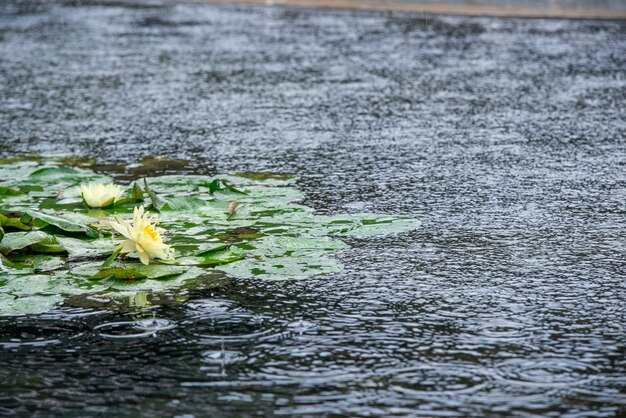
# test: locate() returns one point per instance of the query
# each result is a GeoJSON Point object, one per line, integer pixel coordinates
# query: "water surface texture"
{"type": "Point", "coordinates": [504, 136]}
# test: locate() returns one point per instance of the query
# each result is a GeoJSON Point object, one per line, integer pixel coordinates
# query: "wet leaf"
{"type": "Point", "coordinates": [42, 220]}
{"type": "Point", "coordinates": [131, 271]}
{"type": "Point", "coordinates": [239, 234]}
{"type": "Point", "coordinates": [55, 172]}
{"type": "Point", "coordinates": [6, 263]}
{"type": "Point", "coordinates": [14, 241]}
{"type": "Point", "coordinates": [220, 256]}
{"type": "Point", "coordinates": [81, 248]}
{"type": "Point", "coordinates": [9, 191]}
{"type": "Point", "coordinates": [136, 192]}
{"type": "Point", "coordinates": [27, 305]}
{"type": "Point", "coordinates": [14, 223]}
{"type": "Point", "coordinates": [267, 178]}
{"type": "Point", "coordinates": [220, 185]}
{"type": "Point", "coordinates": [183, 203]}
{"type": "Point", "coordinates": [156, 202]}
{"type": "Point", "coordinates": [30, 263]}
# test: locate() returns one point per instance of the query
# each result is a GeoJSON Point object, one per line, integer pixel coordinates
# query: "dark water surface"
{"type": "Point", "coordinates": [504, 136]}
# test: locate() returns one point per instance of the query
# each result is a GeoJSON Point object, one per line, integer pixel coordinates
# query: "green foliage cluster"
{"type": "Point", "coordinates": [52, 246]}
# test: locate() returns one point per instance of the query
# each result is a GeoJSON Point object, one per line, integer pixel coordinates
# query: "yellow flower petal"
{"type": "Point", "coordinates": [128, 246]}
{"type": "Point", "coordinates": [97, 195]}
{"type": "Point", "coordinates": [143, 237]}
{"type": "Point", "coordinates": [144, 258]}
{"type": "Point", "coordinates": [120, 228]}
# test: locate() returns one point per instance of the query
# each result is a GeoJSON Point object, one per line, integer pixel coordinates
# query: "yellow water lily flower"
{"type": "Point", "coordinates": [98, 195]}
{"type": "Point", "coordinates": [142, 236]}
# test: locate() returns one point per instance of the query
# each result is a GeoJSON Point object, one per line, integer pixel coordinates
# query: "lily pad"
{"type": "Point", "coordinates": [14, 223]}
{"type": "Point", "coordinates": [265, 176]}
{"type": "Point", "coordinates": [14, 241]}
{"type": "Point", "coordinates": [27, 305]}
{"type": "Point", "coordinates": [9, 191]}
{"type": "Point", "coordinates": [33, 263]}
{"type": "Point", "coordinates": [129, 271]}
{"type": "Point", "coordinates": [42, 220]}
{"type": "Point", "coordinates": [81, 248]}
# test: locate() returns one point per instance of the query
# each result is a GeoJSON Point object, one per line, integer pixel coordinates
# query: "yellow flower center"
{"type": "Point", "coordinates": [148, 230]}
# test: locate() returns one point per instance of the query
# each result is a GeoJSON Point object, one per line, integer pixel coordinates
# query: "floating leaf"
{"type": "Point", "coordinates": [180, 203]}
{"type": "Point", "coordinates": [14, 241]}
{"type": "Point", "coordinates": [80, 248]}
{"type": "Point", "coordinates": [48, 247]}
{"type": "Point", "coordinates": [283, 268]}
{"type": "Point", "coordinates": [231, 188]}
{"type": "Point", "coordinates": [15, 223]}
{"type": "Point", "coordinates": [183, 203]}
{"type": "Point", "coordinates": [5, 262]}
{"type": "Point", "coordinates": [223, 257]}
{"type": "Point", "coordinates": [156, 202]}
{"type": "Point", "coordinates": [219, 185]}
{"type": "Point", "coordinates": [287, 257]}
{"type": "Point", "coordinates": [55, 172]}
{"type": "Point", "coordinates": [9, 191]}
{"type": "Point", "coordinates": [42, 220]}
{"type": "Point", "coordinates": [136, 192]}
{"type": "Point", "coordinates": [365, 225]}
{"type": "Point", "coordinates": [119, 273]}
{"type": "Point", "coordinates": [239, 234]}
{"type": "Point", "coordinates": [263, 176]}
{"type": "Point", "coordinates": [29, 263]}
{"type": "Point", "coordinates": [27, 305]}
{"type": "Point", "coordinates": [222, 254]}
{"type": "Point", "coordinates": [213, 250]}
{"type": "Point", "coordinates": [134, 271]}
{"type": "Point", "coordinates": [214, 186]}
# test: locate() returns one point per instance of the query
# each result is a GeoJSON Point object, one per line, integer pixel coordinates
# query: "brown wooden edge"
{"type": "Point", "coordinates": [451, 9]}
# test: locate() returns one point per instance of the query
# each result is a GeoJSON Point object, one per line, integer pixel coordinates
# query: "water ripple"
{"type": "Point", "coordinates": [547, 372]}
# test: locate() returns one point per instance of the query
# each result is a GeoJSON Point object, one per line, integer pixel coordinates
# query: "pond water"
{"type": "Point", "coordinates": [505, 137]}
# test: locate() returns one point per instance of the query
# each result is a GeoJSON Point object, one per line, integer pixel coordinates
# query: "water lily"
{"type": "Point", "coordinates": [98, 195]}
{"type": "Point", "coordinates": [142, 236]}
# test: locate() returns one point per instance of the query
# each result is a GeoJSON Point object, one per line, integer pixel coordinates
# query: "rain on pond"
{"type": "Point", "coordinates": [351, 208]}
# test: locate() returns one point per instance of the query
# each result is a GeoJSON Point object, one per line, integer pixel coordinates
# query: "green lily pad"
{"type": "Point", "coordinates": [366, 225]}
{"type": "Point", "coordinates": [221, 255]}
{"type": "Point", "coordinates": [81, 248]}
{"type": "Point", "coordinates": [29, 263]}
{"type": "Point", "coordinates": [136, 192]}
{"type": "Point", "coordinates": [266, 176]}
{"type": "Point", "coordinates": [130, 271]}
{"type": "Point", "coordinates": [42, 220]}
{"type": "Point", "coordinates": [55, 172]}
{"type": "Point", "coordinates": [182, 204]}
{"type": "Point", "coordinates": [14, 223]}
{"type": "Point", "coordinates": [9, 191]}
{"type": "Point", "coordinates": [14, 241]}
{"type": "Point", "coordinates": [27, 305]}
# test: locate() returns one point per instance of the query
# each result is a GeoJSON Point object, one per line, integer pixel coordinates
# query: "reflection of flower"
{"type": "Point", "coordinates": [142, 236]}
{"type": "Point", "coordinates": [96, 195]}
